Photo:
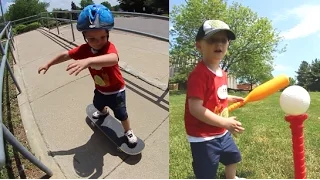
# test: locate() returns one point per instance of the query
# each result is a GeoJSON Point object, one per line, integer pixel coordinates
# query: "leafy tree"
{"type": "Point", "coordinates": [84, 3]}
{"type": "Point", "coordinates": [107, 4]}
{"type": "Point", "coordinates": [250, 56]}
{"type": "Point", "coordinates": [303, 75]}
{"type": "Point", "coordinates": [154, 5]}
{"type": "Point", "coordinates": [74, 6]}
{"type": "Point", "coordinates": [314, 76]}
{"type": "Point", "coordinates": [116, 8]}
{"type": "Point", "coordinates": [132, 5]}
{"type": "Point", "coordinates": [292, 81]}
{"type": "Point", "coordinates": [24, 8]}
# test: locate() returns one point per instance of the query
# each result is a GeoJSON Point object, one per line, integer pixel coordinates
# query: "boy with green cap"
{"type": "Point", "coordinates": [207, 124]}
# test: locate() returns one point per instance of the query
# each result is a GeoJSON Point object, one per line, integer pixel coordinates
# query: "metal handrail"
{"type": "Point", "coordinates": [24, 18]}
{"type": "Point", "coordinates": [4, 132]}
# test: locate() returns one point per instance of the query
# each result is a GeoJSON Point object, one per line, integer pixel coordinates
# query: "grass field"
{"type": "Point", "coordinates": [265, 145]}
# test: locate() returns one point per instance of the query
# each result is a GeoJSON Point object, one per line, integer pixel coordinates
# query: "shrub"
{"type": "Point", "coordinates": [20, 28]}
{"type": "Point", "coordinates": [32, 26]}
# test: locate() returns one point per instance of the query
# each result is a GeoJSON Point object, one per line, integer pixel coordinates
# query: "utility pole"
{"type": "Point", "coordinates": [4, 20]}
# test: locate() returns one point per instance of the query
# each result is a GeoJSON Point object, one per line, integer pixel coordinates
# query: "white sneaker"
{"type": "Point", "coordinates": [98, 114]}
{"type": "Point", "coordinates": [239, 178]}
{"type": "Point", "coordinates": [131, 137]}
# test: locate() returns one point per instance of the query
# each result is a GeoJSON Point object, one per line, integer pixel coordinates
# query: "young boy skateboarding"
{"type": "Point", "coordinates": [100, 56]}
{"type": "Point", "coordinates": [207, 124]}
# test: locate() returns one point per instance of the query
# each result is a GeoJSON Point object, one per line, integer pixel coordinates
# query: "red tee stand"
{"type": "Point", "coordinates": [296, 125]}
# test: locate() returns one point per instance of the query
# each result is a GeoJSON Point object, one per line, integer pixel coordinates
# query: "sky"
{"type": "Point", "coordinates": [299, 24]}
{"type": "Point", "coordinates": [64, 4]}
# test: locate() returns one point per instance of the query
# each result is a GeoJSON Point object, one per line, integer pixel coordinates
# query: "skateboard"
{"type": "Point", "coordinates": [112, 128]}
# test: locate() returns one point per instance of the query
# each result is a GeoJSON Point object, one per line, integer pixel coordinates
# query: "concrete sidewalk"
{"type": "Point", "coordinates": [53, 111]}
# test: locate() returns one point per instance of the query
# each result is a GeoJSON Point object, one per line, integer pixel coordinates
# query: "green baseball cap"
{"type": "Point", "coordinates": [210, 27]}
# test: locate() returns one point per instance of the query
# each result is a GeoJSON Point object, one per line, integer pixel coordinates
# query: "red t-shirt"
{"type": "Point", "coordinates": [212, 89]}
{"type": "Point", "coordinates": [107, 79]}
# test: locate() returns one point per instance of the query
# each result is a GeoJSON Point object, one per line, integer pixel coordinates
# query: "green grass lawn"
{"type": "Point", "coordinates": [265, 145]}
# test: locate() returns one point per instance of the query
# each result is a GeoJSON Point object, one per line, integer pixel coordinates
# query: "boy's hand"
{"type": "Point", "coordinates": [234, 126]}
{"type": "Point", "coordinates": [235, 99]}
{"type": "Point", "coordinates": [43, 68]}
{"type": "Point", "coordinates": [77, 66]}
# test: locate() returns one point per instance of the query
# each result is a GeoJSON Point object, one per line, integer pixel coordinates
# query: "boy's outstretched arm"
{"type": "Point", "coordinates": [106, 60]}
{"type": "Point", "coordinates": [58, 59]}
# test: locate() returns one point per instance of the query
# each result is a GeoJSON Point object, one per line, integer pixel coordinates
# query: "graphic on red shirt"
{"type": "Point", "coordinates": [107, 79]}
{"type": "Point", "coordinates": [212, 90]}
{"type": "Point", "coordinates": [102, 80]}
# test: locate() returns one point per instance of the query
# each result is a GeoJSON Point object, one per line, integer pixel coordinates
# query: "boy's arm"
{"type": "Point", "coordinates": [110, 58]}
{"type": "Point", "coordinates": [203, 114]}
{"type": "Point", "coordinates": [67, 55]}
{"type": "Point", "coordinates": [103, 60]}
{"type": "Point", "coordinates": [60, 58]}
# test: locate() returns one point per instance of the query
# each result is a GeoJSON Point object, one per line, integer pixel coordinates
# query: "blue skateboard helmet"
{"type": "Point", "coordinates": [95, 16]}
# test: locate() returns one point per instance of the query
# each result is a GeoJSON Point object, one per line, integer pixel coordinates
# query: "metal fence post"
{"type": "Point", "coordinates": [48, 21]}
{"type": "Point", "coordinates": [56, 14]}
{"type": "Point", "coordinates": [42, 21]}
{"type": "Point", "coordinates": [5, 53]}
{"type": "Point", "coordinates": [12, 37]}
{"type": "Point", "coordinates": [72, 27]}
{"type": "Point", "coordinates": [13, 77]}
{"type": "Point", "coordinates": [14, 58]}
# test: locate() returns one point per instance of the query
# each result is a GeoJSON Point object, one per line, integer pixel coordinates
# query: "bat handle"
{"type": "Point", "coordinates": [235, 106]}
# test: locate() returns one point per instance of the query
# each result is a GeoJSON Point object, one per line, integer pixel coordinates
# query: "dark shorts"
{"type": "Point", "coordinates": [207, 155]}
{"type": "Point", "coordinates": [116, 102]}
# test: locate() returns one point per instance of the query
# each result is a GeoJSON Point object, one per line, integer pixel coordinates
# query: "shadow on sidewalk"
{"type": "Point", "coordinates": [134, 88]}
{"type": "Point", "coordinates": [55, 39]}
{"type": "Point", "coordinates": [88, 159]}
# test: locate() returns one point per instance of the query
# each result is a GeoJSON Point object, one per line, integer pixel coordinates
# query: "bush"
{"type": "Point", "coordinates": [32, 26]}
{"type": "Point", "coordinates": [179, 78]}
{"type": "Point", "coordinates": [20, 28]}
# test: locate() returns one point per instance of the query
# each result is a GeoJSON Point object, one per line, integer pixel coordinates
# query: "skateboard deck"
{"type": "Point", "coordinates": [112, 128]}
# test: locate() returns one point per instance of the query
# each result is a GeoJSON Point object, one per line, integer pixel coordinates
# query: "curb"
{"type": "Point", "coordinates": [34, 136]}
{"type": "Point", "coordinates": [125, 67]}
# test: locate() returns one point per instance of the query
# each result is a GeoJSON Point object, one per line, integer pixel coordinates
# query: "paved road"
{"type": "Point", "coordinates": [53, 109]}
{"type": "Point", "coordinates": [148, 25]}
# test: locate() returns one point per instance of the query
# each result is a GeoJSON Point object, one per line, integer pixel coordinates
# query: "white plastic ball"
{"type": "Point", "coordinates": [294, 100]}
